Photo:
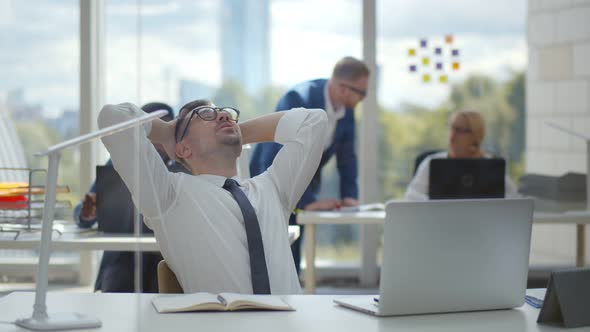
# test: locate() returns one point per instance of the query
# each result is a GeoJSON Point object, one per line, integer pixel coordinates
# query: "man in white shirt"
{"type": "Point", "coordinates": [200, 226]}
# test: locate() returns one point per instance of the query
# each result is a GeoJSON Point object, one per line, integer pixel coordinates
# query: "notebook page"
{"type": "Point", "coordinates": [273, 302]}
{"type": "Point", "coordinates": [186, 302]}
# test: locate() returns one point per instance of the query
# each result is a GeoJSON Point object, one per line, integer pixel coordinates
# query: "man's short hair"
{"type": "Point", "coordinates": [192, 105]}
{"type": "Point", "coordinates": [350, 69]}
{"type": "Point", "coordinates": [158, 106]}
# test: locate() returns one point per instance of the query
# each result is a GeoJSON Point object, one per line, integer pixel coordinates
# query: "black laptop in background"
{"type": "Point", "coordinates": [467, 178]}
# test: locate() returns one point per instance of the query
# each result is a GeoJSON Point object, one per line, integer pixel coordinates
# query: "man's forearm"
{"type": "Point", "coordinates": [153, 196]}
{"type": "Point", "coordinates": [260, 129]}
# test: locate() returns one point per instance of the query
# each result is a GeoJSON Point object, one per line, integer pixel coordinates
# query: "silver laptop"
{"type": "Point", "coordinates": [452, 255]}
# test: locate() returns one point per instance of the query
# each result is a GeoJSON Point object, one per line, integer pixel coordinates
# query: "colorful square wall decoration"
{"type": "Point", "coordinates": [444, 53]}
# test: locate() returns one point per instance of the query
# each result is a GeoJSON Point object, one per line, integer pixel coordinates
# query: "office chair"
{"type": "Point", "coordinates": [423, 156]}
{"type": "Point", "coordinates": [167, 282]}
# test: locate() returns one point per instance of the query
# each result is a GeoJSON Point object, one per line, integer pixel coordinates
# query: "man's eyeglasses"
{"type": "Point", "coordinates": [360, 92]}
{"type": "Point", "coordinates": [207, 113]}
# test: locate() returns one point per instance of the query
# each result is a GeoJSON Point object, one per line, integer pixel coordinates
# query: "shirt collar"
{"type": "Point", "coordinates": [217, 180]}
{"type": "Point", "coordinates": [336, 114]}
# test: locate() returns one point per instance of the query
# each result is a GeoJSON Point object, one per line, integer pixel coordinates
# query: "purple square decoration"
{"type": "Point", "coordinates": [455, 52]}
{"type": "Point", "coordinates": [438, 51]}
{"type": "Point", "coordinates": [439, 65]}
{"type": "Point", "coordinates": [423, 43]}
{"type": "Point", "coordinates": [413, 68]}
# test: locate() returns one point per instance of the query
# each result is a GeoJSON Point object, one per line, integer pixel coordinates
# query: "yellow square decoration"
{"type": "Point", "coordinates": [456, 66]}
{"type": "Point", "coordinates": [425, 78]}
{"type": "Point", "coordinates": [443, 79]}
{"type": "Point", "coordinates": [411, 52]}
{"type": "Point", "coordinates": [425, 61]}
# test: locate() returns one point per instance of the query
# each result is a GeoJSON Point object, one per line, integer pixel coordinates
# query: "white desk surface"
{"type": "Point", "coordinates": [93, 241]}
{"type": "Point", "coordinates": [378, 217]}
{"type": "Point", "coordinates": [134, 312]}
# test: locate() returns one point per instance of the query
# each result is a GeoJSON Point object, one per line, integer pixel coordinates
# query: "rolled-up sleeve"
{"type": "Point", "coordinates": [302, 133]}
{"type": "Point", "coordinates": [151, 185]}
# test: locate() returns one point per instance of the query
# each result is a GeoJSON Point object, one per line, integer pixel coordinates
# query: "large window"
{"type": "Point", "coordinates": [39, 92]}
{"type": "Point", "coordinates": [306, 44]}
{"type": "Point", "coordinates": [437, 57]}
{"type": "Point", "coordinates": [175, 52]}
{"type": "Point", "coordinates": [241, 53]}
{"type": "Point", "coordinates": [39, 107]}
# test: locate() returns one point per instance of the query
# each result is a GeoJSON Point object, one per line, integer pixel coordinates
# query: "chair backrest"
{"type": "Point", "coordinates": [167, 282]}
{"type": "Point", "coordinates": [423, 156]}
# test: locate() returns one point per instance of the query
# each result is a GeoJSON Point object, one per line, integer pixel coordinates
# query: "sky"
{"type": "Point", "coordinates": [180, 40]}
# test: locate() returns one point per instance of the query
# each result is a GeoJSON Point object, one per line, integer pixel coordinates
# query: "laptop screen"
{"type": "Point", "coordinates": [467, 178]}
{"type": "Point", "coordinates": [114, 207]}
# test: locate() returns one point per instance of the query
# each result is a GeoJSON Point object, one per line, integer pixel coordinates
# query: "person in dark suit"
{"type": "Point", "coordinates": [117, 268]}
{"type": "Point", "coordinates": [338, 96]}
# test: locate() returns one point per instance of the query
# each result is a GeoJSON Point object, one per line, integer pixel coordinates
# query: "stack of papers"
{"type": "Point", "coordinates": [534, 297]}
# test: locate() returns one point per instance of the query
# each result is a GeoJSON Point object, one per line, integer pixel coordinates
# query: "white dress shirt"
{"type": "Point", "coordinates": [198, 224]}
{"type": "Point", "coordinates": [333, 116]}
{"type": "Point", "coordinates": [418, 187]}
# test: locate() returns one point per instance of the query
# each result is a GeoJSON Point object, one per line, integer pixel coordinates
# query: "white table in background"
{"type": "Point", "coordinates": [311, 219]}
{"type": "Point", "coordinates": [93, 240]}
{"type": "Point", "coordinates": [87, 241]}
{"type": "Point", "coordinates": [134, 312]}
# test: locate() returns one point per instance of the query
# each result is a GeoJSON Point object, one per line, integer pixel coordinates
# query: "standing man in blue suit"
{"type": "Point", "coordinates": [338, 96]}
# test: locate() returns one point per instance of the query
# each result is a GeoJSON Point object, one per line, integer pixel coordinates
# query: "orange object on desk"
{"type": "Point", "coordinates": [11, 189]}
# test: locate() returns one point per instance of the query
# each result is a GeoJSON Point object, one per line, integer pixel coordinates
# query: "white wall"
{"type": "Point", "coordinates": [558, 90]}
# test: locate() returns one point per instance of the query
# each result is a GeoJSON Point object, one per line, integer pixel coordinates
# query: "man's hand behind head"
{"type": "Point", "coordinates": [162, 136]}
{"type": "Point", "coordinates": [169, 143]}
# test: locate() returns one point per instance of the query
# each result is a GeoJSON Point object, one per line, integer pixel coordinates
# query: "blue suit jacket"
{"type": "Point", "coordinates": [310, 94]}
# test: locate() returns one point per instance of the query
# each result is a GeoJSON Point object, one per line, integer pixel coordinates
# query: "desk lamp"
{"type": "Point", "coordinates": [41, 320]}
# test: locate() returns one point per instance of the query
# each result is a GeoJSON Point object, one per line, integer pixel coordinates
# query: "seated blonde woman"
{"type": "Point", "coordinates": [466, 134]}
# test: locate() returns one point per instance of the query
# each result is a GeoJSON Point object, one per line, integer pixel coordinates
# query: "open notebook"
{"type": "Point", "coordinates": [221, 302]}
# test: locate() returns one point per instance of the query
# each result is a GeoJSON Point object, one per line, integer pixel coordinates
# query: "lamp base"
{"type": "Point", "coordinates": [59, 321]}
